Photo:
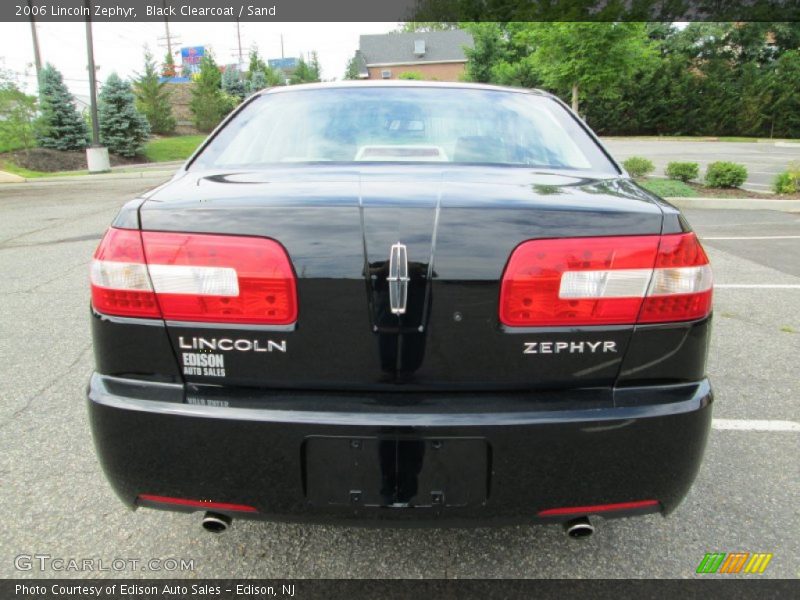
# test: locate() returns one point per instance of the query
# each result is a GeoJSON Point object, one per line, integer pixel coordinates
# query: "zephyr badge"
{"type": "Point", "coordinates": [398, 278]}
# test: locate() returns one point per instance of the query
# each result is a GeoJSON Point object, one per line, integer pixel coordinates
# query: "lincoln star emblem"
{"type": "Point", "coordinates": [398, 278]}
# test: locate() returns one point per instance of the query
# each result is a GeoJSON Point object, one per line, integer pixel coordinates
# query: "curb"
{"type": "Point", "coordinates": [66, 179]}
{"type": "Point", "coordinates": [736, 204]}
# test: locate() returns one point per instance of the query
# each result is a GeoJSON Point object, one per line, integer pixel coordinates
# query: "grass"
{"type": "Point", "coordinates": [159, 150]}
{"type": "Point", "coordinates": [172, 148]}
{"type": "Point", "coordinates": [668, 188]}
{"type": "Point", "coordinates": [9, 167]}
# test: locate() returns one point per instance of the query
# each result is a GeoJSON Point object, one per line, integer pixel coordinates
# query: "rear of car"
{"type": "Point", "coordinates": [401, 304]}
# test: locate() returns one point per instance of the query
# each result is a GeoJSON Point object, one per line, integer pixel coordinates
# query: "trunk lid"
{"type": "Point", "coordinates": [457, 226]}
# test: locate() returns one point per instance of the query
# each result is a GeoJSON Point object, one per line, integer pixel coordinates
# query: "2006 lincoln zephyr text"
{"type": "Point", "coordinates": [413, 303]}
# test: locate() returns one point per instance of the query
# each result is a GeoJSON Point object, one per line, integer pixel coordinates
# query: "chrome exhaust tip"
{"type": "Point", "coordinates": [215, 522]}
{"type": "Point", "coordinates": [579, 528]}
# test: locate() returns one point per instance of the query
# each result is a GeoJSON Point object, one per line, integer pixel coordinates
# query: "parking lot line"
{"type": "Point", "coordinates": [754, 425]}
{"type": "Point", "coordinates": [757, 286]}
{"type": "Point", "coordinates": [755, 237]}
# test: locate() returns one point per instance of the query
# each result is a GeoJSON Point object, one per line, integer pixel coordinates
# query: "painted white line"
{"type": "Point", "coordinates": [755, 237]}
{"type": "Point", "coordinates": [756, 286]}
{"type": "Point", "coordinates": [754, 425]}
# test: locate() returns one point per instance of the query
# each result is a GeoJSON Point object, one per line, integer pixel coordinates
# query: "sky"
{"type": "Point", "coordinates": [120, 46]}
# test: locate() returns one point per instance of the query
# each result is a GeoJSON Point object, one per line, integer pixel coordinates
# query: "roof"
{"type": "Point", "coordinates": [409, 83]}
{"type": "Point", "coordinates": [403, 48]}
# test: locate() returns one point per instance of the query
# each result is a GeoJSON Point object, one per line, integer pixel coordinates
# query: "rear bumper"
{"type": "Point", "coordinates": [647, 445]}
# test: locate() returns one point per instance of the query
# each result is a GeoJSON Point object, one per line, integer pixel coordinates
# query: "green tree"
{"type": "Point", "coordinates": [256, 82]}
{"type": "Point", "coordinates": [168, 68]}
{"type": "Point", "coordinates": [781, 99]}
{"type": "Point", "coordinates": [306, 72]}
{"type": "Point", "coordinates": [260, 75]}
{"type": "Point", "coordinates": [586, 58]}
{"type": "Point", "coordinates": [315, 70]}
{"type": "Point", "coordinates": [17, 115]}
{"type": "Point", "coordinates": [233, 85]}
{"type": "Point", "coordinates": [61, 126]}
{"type": "Point", "coordinates": [208, 104]}
{"type": "Point", "coordinates": [123, 129]}
{"type": "Point", "coordinates": [425, 26]}
{"type": "Point", "coordinates": [153, 99]}
{"type": "Point", "coordinates": [351, 72]}
{"type": "Point", "coordinates": [489, 51]}
{"type": "Point", "coordinates": [256, 63]}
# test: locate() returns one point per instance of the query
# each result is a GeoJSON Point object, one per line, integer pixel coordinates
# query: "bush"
{"type": "Point", "coordinates": [683, 171]}
{"type": "Point", "coordinates": [638, 166]}
{"type": "Point", "coordinates": [17, 115]}
{"type": "Point", "coordinates": [788, 182]}
{"type": "Point", "coordinates": [723, 174]}
{"type": "Point", "coordinates": [414, 75]}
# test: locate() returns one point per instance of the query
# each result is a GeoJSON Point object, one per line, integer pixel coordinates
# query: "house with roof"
{"type": "Point", "coordinates": [436, 55]}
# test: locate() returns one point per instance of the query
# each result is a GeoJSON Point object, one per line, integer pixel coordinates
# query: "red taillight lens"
{"type": "Point", "coordinates": [120, 284]}
{"type": "Point", "coordinates": [221, 278]}
{"type": "Point", "coordinates": [682, 283]}
{"type": "Point", "coordinates": [606, 281]}
{"type": "Point", "coordinates": [196, 277]}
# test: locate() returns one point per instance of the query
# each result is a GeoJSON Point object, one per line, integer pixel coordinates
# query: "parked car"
{"type": "Point", "coordinates": [401, 303]}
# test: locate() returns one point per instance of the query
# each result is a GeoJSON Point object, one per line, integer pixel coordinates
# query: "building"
{"type": "Point", "coordinates": [436, 55]}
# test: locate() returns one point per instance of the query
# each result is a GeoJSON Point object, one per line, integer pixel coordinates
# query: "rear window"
{"type": "Point", "coordinates": [404, 124]}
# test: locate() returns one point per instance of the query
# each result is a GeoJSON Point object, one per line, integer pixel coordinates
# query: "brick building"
{"type": "Point", "coordinates": [436, 55]}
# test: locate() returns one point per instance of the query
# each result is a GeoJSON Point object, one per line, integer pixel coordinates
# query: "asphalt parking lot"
{"type": "Point", "coordinates": [57, 502]}
{"type": "Point", "coordinates": [763, 160]}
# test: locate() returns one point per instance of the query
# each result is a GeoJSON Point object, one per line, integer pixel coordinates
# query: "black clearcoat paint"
{"type": "Point", "coordinates": [541, 453]}
{"type": "Point", "coordinates": [435, 416]}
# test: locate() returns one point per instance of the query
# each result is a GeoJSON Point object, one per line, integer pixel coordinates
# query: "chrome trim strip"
{"type": "Point", "coordinates": [700, 399]}
{"type": "Point", "coordinates": [231, 326]}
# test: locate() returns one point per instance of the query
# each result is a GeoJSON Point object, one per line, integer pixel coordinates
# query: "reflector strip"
{"type": "Point", "coordinates": [622, 283]}
{"type": "Point", "coordinates": [681, 280]}
{"type": "Point", "coordinates": [597, 508]}
{"type": "Point", "coordinates": [635, 283]}
{"type": "Point", "coordinates": [196, 503]}
{"type": "Point", "coordinates": [120, 275]}
{"type": "Point", "coordinates": [199, 281]}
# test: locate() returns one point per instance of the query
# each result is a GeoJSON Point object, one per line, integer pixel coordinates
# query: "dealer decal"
{"type": "Point", "coordinates": [207, 359]}
{"type": "Point", "coordinates": [208, 365]}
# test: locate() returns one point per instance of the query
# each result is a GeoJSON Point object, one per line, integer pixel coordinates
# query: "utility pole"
{"type": "Point", "coordinates": [239, 38]}
{"type": "Point", "coordinates": [166, 26]}
{"type": "Point", "coordinates": [168, 39]}
{"type": "Point", "coordinates": [37, 57]}
{"type": "Point", "coordinates": [96, 156]}
{"type": "Point", "coordinates": [282, 46]}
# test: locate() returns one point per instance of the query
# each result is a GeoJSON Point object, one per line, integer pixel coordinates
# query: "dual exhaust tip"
{"type": "Point", "coordinates": [576, 528]}
{"type": "Point", "coordinates": [216, 522]}
{"type": "Point", "coordinates": [579, 528]}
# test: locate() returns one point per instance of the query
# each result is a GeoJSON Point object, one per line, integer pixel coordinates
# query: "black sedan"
{"type": "Point", "coordinates": [401, 303]}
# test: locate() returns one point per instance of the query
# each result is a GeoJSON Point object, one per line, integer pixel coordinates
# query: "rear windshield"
{"type": "Point", "coordinates": [404, 124]}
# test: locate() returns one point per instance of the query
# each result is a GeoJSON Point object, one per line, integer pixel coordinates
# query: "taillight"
{"type": "Point", "coordinates": [120, 284]}
{"type": "Point", "coordinates": [195, 277]}
{"type": "Point", "coordinates": [606, 281]}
